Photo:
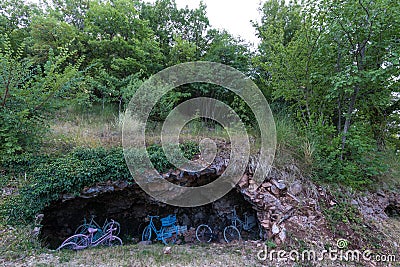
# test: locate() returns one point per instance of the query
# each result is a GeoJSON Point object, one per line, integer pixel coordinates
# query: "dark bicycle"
{"type": "Point", "coordinates": [232, 232]}
{"type": "Point", "coordinates": [204, 233]}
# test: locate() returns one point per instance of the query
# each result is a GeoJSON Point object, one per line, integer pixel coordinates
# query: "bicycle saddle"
{"type": "Point", "coordinates": [92, 230]}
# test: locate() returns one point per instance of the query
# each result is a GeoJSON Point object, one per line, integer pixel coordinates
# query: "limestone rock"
{"type": "Point", "coordinates": [167, 250]}
{"type": "Point", "coordinates": [296, 188]}
{"type": "Point", "coordinates": [275, 229]}
{"type": "Point", "coordinates": [282, 235]}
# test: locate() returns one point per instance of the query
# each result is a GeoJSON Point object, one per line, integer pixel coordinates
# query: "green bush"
{"type": "Point", "coordinates": [357, 166]}
{"type": "Point", "coordinates": [49, 177]}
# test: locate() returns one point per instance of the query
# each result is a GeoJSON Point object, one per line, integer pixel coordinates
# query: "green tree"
{"type": "Point", "coordinates": [72, 12]}
{"type": "Point", "coordinates": [332, 61]}
{"type": "Point", "coordinates": [177, 27]}
{"type": "Point", "coordinates": [28, 93]}
{"type": "Point", "coordinates": [335, 65]}
{"type": "Point", "coordinates": [119, 39]}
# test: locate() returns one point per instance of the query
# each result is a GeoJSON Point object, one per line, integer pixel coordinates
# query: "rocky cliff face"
{"type": "Point", "coordinates": [288, 206]}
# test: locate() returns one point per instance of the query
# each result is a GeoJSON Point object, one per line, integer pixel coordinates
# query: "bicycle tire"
{"type": "Point", "coordinates": [203, 233]}
{"type": "Point", "coordinates": [141, 227]}
{"type": "Point", "coordinates": [231, 233]}
{"type": "Point", "coordinates": [112, 241]}
{"type": "Point", "coordinates": [146, 235]}
{"type": "Point", "coordinates": [116, 225]}
{"type": "Point", "coordinates": [75, 242]}
{"type": "Point", "coordinates": [171, 236]}
{"type": "Point", "coordinates": [82, 229]}
{"type": "Point", "coordinates": [91, 224]}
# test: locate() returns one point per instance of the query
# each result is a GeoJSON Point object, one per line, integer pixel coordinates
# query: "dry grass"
{"type": "Point", "coordinates": [391, 230]}
{"type": "Point", "coordinates": [89, 128]}
{"type": "Point", "coordinates": [97, 127]}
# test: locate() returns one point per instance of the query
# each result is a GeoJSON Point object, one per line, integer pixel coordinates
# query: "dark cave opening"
{"type": "Point", "coordinates": [393, 210]}
{"type": "Point", "coordinates": [130, 208]}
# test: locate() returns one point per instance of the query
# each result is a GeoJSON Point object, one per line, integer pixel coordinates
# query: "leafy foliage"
{"type": "Point", "coordinates": [329, 67]}
{"type": "Point", "coordinates": [28, 93]}
{"type": "Point", "coordinates": [51, 177]}
{"type": "Point", "coordinates": [334, 64]}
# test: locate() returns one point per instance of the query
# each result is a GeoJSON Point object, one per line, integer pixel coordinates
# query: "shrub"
{"type": "Point", "coordinates": [49, 177]}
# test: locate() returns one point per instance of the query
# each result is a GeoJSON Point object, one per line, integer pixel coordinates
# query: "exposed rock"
{"type": "Point", "coordinates": [275, 229]}
{"type": "Point", "coordinates": [296, 188]}
{"type": "Point", "coordinates": [244, 182]}
{"type": "Point", "coordinates": [185, 220]}
{"type": "Point", "coordinates": [36, 231]}
{"type": "Point", "coordinates": [380, 193]}
{"type": "Point", "coordinates": [167, 250]}
{"type": "Point", "coordinates": [279, 184]}
{"type": "Point", "coordinates": [274, 190]}
{"type": "Point", "coordinates": [285, 197]}
{"type": "Point", "coordinates": [282, 235]}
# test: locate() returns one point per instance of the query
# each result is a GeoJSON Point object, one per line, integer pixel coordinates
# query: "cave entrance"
{"type": "Point", "coordinates": [393, 210]}
{"type": "Point", "coordinates": [130, 207]}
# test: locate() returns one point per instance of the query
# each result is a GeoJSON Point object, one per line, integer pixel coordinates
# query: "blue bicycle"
{"type": "Point", "coordinates": [168, 232]}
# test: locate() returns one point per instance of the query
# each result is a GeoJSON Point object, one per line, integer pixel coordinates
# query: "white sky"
{"type": "Point", "coordinates": [232, 15]}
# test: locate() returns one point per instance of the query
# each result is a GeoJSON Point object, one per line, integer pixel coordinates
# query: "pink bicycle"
{"type": "Point", "coordinates": [81, 241]}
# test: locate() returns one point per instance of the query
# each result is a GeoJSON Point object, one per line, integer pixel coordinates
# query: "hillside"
{"type": "Point", "coordinates": [139, 123]}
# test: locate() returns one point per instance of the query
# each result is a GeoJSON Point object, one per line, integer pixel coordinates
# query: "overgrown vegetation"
{"type": "Point", "coordinates": [335, 66]}
{"type": "Point", "coordinates": [330, 70]}
{"type": "Point", "coordinates": [48, 177]}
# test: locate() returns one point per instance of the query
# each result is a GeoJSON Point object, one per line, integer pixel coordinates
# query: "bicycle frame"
{"type": "Point", "coordinates": [167, 231]}
{"type": "Point", "coordinates": [235, 219]}
{"type": "Point", "coordinates": [238, 223]}
{"type": "Point", "coordinates": [154, 229]}
{"type": "Point", "coordinates": [81, 241]}
{"type": "Point", "coordinates": [93, 222]}
{"type": "Point", "coordinates": [100, 240]}
{"type": "Point", "coordinates": [232, 232]}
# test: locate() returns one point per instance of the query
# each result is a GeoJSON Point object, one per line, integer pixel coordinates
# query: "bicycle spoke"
{"type": "Point", "coordinates": [203, 233]}
{"type": "Point", "coordinates": [231, 233]}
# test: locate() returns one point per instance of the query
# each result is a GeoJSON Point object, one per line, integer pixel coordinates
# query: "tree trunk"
{"type": "Point", "coordinates": [347, 122]}
{"type": "Point", "coordinates": [360, 57]}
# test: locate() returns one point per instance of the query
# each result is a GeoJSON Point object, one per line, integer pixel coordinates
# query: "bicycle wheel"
{"type": "Point", "coordinates": [84, 229]}
{"type": "Point", "coordinates": [112, 241]}
{"type": "Point", "coordinates": [75, 242]}
{"type": "Point", "coordinates": [231, 233]}
{"type": "Point", "coordinates": [141, 227]}
{"type": "Point", "coordinates": [116, 225]}
{"type": "Point", "coordinates": [169, 234]}
{"type": "Point", "coordinates": [204, 233]}
{"type": "Point", "coordinates": [146, 235]}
